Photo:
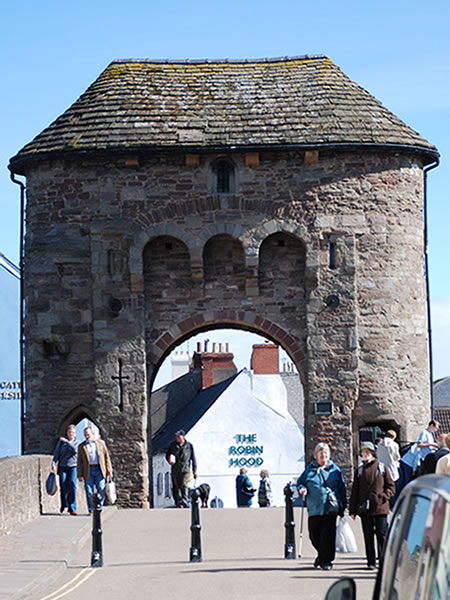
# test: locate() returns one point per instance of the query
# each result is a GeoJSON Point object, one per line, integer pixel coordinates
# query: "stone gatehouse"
{"type": "Point", "coordinates": [274, 196]}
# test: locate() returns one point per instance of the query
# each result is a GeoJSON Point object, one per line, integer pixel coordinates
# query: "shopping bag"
{"type": "Point", "coordinates": [110, 491]}
{"type": "Point", "coordinates": [345, 539]}
{"type": "Point", "coordinates": [51, 485]}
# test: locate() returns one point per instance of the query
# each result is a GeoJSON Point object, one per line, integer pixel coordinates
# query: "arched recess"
{"type": "Point", "coordinates": [281, 267]}
{"type": "Point", "coordinates": [75, 416]}
{"type": "Point", "coordinates": [167, 271]}
{"type": "Point", "coordinates": [223, 267]}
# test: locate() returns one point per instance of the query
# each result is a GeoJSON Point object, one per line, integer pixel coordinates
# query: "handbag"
{"type": "Point", "coordinates": [332, 506]}
{"type": "Point", "coordinates": [362, 508]}
{"type": "Point", "coordinates": [247, 490]}
{"type": "Point", "coordinates": [345, 538]}
{"type": "Point", "coordinates": [110, 491]}
{"type": "Point", "coordinates": [51, 485]}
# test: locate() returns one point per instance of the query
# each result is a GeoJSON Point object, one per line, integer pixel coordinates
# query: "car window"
{"type": "Point", "coordinates": [417, 553]}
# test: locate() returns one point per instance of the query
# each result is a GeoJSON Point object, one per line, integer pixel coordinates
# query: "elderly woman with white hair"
{"type": "Point", "coordinates": [320, 477]}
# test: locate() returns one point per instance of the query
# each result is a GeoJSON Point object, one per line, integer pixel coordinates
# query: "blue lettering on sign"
{"type": "Point", "coordinates": [9, 385]}
{"type": "Point", "coordinates": [246, 462]}
{"type": "Point", "coordinates": [10, 395]}
{"type": "Point", "coordinates": [242, 438]}
{"type": "Point", "coordinates": [246, 448]}
{"type": "Point", "coordinates": [10, 390]}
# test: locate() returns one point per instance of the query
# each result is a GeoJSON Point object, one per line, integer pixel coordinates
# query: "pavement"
{"type": "Point", "coordinates": [146, 552]}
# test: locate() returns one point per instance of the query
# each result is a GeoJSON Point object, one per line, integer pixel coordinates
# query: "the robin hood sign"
{"type": "Point", "coordinates": [246, 452]}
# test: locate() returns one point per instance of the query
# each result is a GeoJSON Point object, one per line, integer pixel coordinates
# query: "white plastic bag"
{"type": "Point", "coordinates": [345, 539]}
{"type": "Point", "coordinates": [110, 491]}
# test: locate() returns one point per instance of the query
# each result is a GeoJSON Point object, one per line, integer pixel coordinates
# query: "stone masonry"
{"type": "Point", "coordinates": [317, 246]}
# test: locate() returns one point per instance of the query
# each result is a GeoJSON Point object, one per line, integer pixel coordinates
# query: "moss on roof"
{"type": "Point", "coordinates": [142, 105]}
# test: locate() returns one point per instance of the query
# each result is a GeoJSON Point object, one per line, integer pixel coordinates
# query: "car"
{"type": "Point", "coordinates": [416, 561]}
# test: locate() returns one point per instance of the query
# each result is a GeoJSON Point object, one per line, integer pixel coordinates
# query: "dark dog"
{"type": "Point", "coordinates": [204, 490]}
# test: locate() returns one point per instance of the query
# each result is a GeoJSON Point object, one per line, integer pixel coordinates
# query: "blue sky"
{"type": "Point", "coordinates": [400, 51]}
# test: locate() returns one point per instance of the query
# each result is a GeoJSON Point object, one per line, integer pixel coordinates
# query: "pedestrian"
{"type": "Point", "coordinates": [94, 466]}
{"type": "Point", "coordinates": [321, 475]}
{"type": "Point", "coordinates": [388, 453]}
{"type": "Point", "coordinates": [181, 456]}
{"type": "Point", "coordinates": [371, 490]}
{"type": "Point", "coordinates": [426, 442]}
{"type": "Point", "coordinates": [265, 489]}
{"type": "Point", "coordinates": [443, 464]}
{"type": "Point", "coordinates": [244, 488]}
{"type": "Point", "coordinates": [65, 464]}
{"type": "Point", "coordinates": [429, 463]}
{"type": "Point", "coordinates": [409, 465]}
{"type": "Point", "coordinates": [411, 462]}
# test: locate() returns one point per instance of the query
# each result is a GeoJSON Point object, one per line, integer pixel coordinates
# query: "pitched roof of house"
{"type": "Point", "coordinates": [441, 393]}
{"type": "Point", "coordinates": [442, 416]}
{"type": "Point", "coordinates": [190, 415]}
{"type": "Point", "coordinates": [144, 105]}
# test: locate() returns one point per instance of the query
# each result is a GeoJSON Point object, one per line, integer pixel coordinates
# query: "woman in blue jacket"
{"type": "Point", "coordinates": [244, 488]}
{"type": "Point", "coordinates": [319, 475]}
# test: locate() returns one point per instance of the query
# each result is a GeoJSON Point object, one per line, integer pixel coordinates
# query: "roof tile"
{"type": "Point", "coordinates": [142, 104]}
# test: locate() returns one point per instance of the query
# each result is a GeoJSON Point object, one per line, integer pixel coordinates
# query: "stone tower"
{"type": "Point", "coordinates": [275, 196]}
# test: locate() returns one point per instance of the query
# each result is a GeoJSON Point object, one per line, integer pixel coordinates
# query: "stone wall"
{"type": "Point", "coordinates": [22, 493]}
{"type": "Point", "coordinates": [323, 258]}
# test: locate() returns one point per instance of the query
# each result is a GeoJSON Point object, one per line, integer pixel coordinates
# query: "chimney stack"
{"type": "Point", "coordinates": [215, 366]}
{"type": "Point", "coordinates": [265, 359]}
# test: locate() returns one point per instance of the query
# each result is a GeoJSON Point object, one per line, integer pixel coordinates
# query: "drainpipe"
{"type": "Point", "coordinates": [21, 313]}
{"type": "Point", "coordinates": [427, 278]}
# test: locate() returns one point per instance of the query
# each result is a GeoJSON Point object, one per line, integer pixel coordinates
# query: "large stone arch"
{"type": "Point", "coordinates": [198, 322]}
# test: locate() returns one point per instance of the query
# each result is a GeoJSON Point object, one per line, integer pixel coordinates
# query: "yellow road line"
{"type": "Point", "coordinates": [59, 593]}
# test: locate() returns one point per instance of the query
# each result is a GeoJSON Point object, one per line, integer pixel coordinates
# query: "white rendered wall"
{"type": "Point", "coordinates": [255, 408]}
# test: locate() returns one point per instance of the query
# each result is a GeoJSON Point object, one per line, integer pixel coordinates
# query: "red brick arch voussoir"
{"type": "Point", "coordinates": [235, 318]}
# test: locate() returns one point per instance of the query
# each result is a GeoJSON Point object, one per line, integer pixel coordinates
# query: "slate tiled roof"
{"type": "Point", "coordinates": [143, 104]}
{"type": "Point", "coordinates": [190, 415]}
{"type": "Point", "coordinates": [442, 415]}
{"type": "Point", "coordinates": [441, 393]}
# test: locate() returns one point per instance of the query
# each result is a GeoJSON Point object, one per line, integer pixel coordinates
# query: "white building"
{"type": "Point", "coordinates": [242, 421]}
{"type": "Point", "coordinates": [10, 392]}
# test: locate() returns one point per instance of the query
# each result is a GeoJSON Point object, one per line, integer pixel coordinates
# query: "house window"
{"type": "Point", "coordinates": [167, 485]}
{"type": "Point", "coordinates": [159, 484]}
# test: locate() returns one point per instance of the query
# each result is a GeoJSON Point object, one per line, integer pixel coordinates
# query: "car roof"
{"type": "Point", "coordinates": [428, 485]}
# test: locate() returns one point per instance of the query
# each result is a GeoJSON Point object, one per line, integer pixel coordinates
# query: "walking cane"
{"type": "Point", "coordinates": [300, 536]}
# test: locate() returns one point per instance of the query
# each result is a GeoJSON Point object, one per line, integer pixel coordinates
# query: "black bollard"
{"type": "Point", "coordinates": [97, 552]}
{"type": "Point", "coordinates": [195, 554]}
{"type": "Point", "coordinates": [289, 546]}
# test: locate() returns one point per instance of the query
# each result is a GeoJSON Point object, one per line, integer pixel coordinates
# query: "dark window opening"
{"type": "Point", "coordinates": [223, 170]}
{"type": "Point", "coordinates": [332, 264]}
{"type": "Point", "coordinates": [282, 243]}
{"type": "Point", "coordinates": [169, 246]}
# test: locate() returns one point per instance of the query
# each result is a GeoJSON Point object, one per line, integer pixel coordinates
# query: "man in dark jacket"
{"type": "Point", "coordinates": [372, 484]}
{"type": "Point", "coordinates": [181, 456]}
{"type": "Point", "coordinates": [430, 461]}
